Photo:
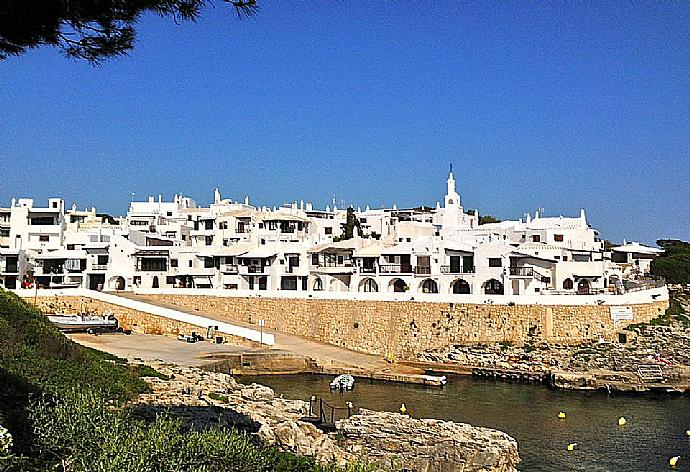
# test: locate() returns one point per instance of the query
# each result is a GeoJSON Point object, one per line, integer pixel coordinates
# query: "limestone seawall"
{"type": "Point", "coordinates": [406, 328]}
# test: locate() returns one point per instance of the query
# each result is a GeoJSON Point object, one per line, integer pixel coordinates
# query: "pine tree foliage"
{"type": "Point", "coordinates": [92, 30]}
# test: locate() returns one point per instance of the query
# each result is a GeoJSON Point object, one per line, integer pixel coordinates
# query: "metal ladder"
{"type": "Point", "coordinates": [650, 372]}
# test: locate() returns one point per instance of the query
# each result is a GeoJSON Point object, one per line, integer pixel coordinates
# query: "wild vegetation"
{"type": "Point", "coordinates": [63, 405]}
{"type": "Point", "coordinates": [674, 264]}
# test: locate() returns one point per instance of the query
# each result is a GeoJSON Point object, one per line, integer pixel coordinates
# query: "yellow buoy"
{"type": "Point", "coordinates": [571, 446]}
{"type": "Point", "coordinates": [687, 433]}
{"type": "Point", "coordinates": [403, 409]}
{"type": "Point", "coordinates": [673, 461]}
{"type": "Point", "coordinates": [622, 421]}
{"type": "Point", "coordinates": [561, 415]}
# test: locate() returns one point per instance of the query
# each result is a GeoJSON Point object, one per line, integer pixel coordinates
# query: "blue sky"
{"type": "Point", "coordinates": [561, 106]}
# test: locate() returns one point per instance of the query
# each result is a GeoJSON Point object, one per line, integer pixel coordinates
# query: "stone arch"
{"type": "Point", "coordinates": [318, 284]}
{"type": "Point", "coordinates": [493, 287]}
{"type": "Point", "coordinates": [368, 285]}
{"type": "Point", "coordinates": [428, 286]}
{"type": "Point", "coordinates": [119, 283]}
{"type": "Point", "coordinates": [460, 286]}
{"type": "Point", "coordinates": [583, 287]}
{"type": "Point", "coordinates": [397, 285]}
{"type": "Point", "coordinates": [568, 284]}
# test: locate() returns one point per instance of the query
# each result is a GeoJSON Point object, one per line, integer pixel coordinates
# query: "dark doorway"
{"type": "Point", "coordinates": [95, 280]}
{"type": "Point", "coordinates": [583, 287]}
{"type": "Point", "coordinates": [461, 287]}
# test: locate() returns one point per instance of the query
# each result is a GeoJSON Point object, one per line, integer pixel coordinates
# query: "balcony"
{"type": "Point", "coordinates": [395, 269]}
{"type": "Point", "coordinates": [422, 270]}
{"type": "Point", "coordinates": [333, 268]}
{"type": "Point", "coordinates": [521, 272]}
{"type": "Point", "coordinates": [367, 270]}
{"type": "Point", "coordinates": [457, 270]}
{"type": "Point", "coordinates": [229, 268]}
{"type": "Point", "coordinates": [253, 269]}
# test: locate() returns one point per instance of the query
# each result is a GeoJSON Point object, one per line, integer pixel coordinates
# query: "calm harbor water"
{"type": "Point", "coordinates": [655, 430]}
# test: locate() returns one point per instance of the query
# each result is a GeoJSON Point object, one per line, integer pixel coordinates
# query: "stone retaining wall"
{"type": "Point", "coordinates": [129, 319]}
{"type": "Point", "coordinates": [405, 329]}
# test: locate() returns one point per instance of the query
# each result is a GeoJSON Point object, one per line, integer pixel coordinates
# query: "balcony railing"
{"type": "Point", "coordinates": [521, 271]}
{"type": "Point", "coordinates": [395, 269]}
{"type": "Point", "coordinates": [253, 269]}
{"type": "Point", "coordinates": [229, 268]}
{"type": "Point", "coordinates": [422, 270]}
{"type": "Point", "coordinates": [457, 270]}
{"type": "Point", "coordinates": [99, 267]}
{"type": "Point", "coordinates": [367, 270]}
{"type": "Point", "coordinates": [334, 264]}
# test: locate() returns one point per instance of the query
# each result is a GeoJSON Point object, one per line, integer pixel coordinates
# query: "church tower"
{"type": "Point", "coordinates": [452, 214]}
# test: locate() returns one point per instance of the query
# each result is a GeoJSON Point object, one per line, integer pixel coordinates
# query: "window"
{"type": "Point", "coordinates": [44, 238]}
{"type": "Point", "coordinates": [208, 262]}
{"type": "Point", "coordinates": [168, 213]}
{"type": "Point", "coordinates": [558, 258]}
{"type": "Point", "coordinates": [558, 238]}
{"type": "Point", "coordinates": [328, 230]}
{"type": "Point", "coordinates": [43, 220]}
{"type": "Point", "coordinates": [567, 284]}
{"type": "Point", "coordinates": [261, 226]}
{"type": "Point", "coordinates": [208, 224]}
{"type": "Point", "coordinates": [208, 240]}
{"type": "Point", "coordinates": [315, 260]}
{"type": "Point", "coordinates": [153, 264]}
{"type": "Point", "coordinates": [173, 262]}
{"type": "Point", "coordinates": [565, 258]}
{"type": "Point", "coordinates": [288, 283]}
{"type": "Point", "coordinates": [495, 262]}
{"type": "Point", "coordinates": [70, 247]}
{"type": "Point", "coordinates": [170, 280]}
{"type": "Point", "coordinates": [102, 259]}
{"type": "Point", "coordinates": [536, 238]}
{"type": "Point", "coordinates": [190, 263]}
{"type": "Point", "coordinates": [341, 260]}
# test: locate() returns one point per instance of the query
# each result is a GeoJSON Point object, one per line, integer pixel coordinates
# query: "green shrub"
{"type": "Point", "coordinates": [219, 398]}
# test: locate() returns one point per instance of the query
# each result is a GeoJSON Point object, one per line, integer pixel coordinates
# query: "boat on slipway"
{"type": "Point", "coordinates": [83, 322]}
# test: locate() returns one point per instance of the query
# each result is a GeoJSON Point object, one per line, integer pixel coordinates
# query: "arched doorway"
{"type": "Point", "coordinates": [460, 286]}
{"type": "Point", "coordinates": [155, 282]}
{"type": "Point", "coordinates": [568, 284]}
{"type": "Point", "coordinates": [398, 285]}
{"type": "Point", "coordinates": [368, 285]}
{"type": "Point", "coordinates": [120, 283]}
{"type": "Point", "coordinates": [493, 287]}
{"type": "Point", "coordinates": [318, 284]}
{"type": "Point", "coordinates": [429, 286]}
{"type": "Point", "coordinates": [583, 287]}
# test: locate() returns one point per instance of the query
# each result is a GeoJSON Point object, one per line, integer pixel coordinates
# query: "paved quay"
{"type": "Point", "coordinates": [289, 353]}
{"type": "Point", "coordinates": [326, 354]}
{"type": "Point", "coordinates": [151, 347]}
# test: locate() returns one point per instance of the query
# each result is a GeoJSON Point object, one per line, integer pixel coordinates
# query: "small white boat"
{"type": "Point", "coordinates": [343, 382]}
{"type": "Point", "coordinates": [82, 322]}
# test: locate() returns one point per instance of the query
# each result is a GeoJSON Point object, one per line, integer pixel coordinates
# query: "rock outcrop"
{"type": "Point", "coordinates": [426, 445]}
{"type": "Point", "coordinates": [200, 398]}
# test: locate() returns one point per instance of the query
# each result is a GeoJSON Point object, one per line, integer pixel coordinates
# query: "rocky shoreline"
{"type": "Point", "coordinates": [663, 342]}
{"type": "Point", "coordinates": [382, 439]}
